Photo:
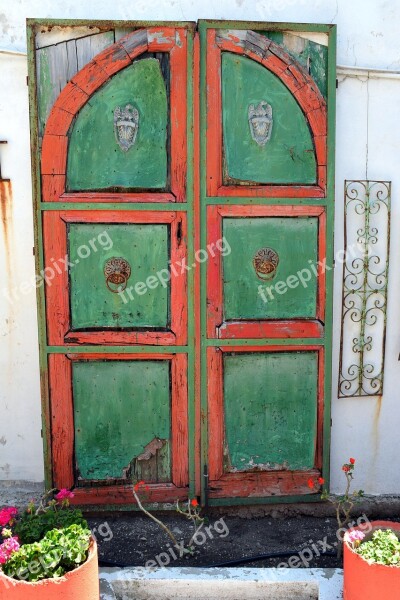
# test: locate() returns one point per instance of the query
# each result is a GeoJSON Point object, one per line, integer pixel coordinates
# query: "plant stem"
{"type": "Point", "coordinates": [159, 523]}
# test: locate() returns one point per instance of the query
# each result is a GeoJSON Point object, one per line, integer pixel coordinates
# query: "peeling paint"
{"type": "Point", "coordinates": [6, 217]}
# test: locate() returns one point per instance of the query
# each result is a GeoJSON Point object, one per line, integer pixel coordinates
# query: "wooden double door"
{"type": "Point", "coordinates": [184, 199]}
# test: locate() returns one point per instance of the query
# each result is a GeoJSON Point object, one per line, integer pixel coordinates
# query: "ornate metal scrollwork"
{"type": "Point", "coordinates": [117, 271]}
{"type": "Point", "coordinates": [265, 263]}
{"type": "Point", "coordinates": [365, 280]}
{"type": "Point", "coordinates": [126, 124]}
{"type": "Point", "coordinates": [260, 122]}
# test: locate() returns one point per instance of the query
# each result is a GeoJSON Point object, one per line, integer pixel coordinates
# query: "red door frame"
{"type": "Point", "coordinates": [53, 189]}
{"type": "Point", "coordinates": [299, 83]}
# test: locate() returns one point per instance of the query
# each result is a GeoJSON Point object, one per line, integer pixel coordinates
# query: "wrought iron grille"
{"type": "Point", "coordinates": [365, 281]}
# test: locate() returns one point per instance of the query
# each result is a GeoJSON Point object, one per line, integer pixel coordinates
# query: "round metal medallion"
{"type": "Point", "coordinates": [117, 271]}
{"type": "Point", "coordinates": [265, 263]}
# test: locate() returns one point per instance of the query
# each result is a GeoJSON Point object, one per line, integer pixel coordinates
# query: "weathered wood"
{"type": "Point", "coordinates": [57, 64]}
{"type": "Point", "coordinates": [62, 421]}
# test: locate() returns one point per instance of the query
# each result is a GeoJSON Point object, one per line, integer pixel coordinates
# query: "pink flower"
{"type": "Point", "coordinates": [7, 514]}
{"type": "Point", "coordinates": [355, 536]}
{"type": "Point", "coordinates": [7, 548]}
{"type": "Point", "coordinates": [64, 494]}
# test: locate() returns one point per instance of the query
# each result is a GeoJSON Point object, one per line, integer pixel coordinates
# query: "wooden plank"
{"type": "Point", "coordinates": [178, 116]}
{"type": "Point", "coordinates": [270, 330]}
{"type": "Point", "coordinates": [262, 484]}
{"type": "Point", "coordinates": [179, 316]}
{"type": "Point", "coordinates": [214, 107]}
{"type": "Point", "coordinates": [88, 47]}
{"type": "Point", "coordinates": [54, 154]}
{"type": "Point", "coordinates": [215, 396]}
{"type": "Point", "coordinates": [57, 297]}
{"type": "Point", "coordinates": [62, 421]}
{"type": "Point", "coordinates": [179, 421]}
{"type": "Point", "coordinates": [122, 494]}
{"type": "Point", "coordinates": [214, 273]}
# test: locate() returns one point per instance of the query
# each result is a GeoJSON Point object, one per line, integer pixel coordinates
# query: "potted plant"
{"type": "Point", "coordinates": [47, 552]}
{"type": "Point", "coordinates": [372, 562]}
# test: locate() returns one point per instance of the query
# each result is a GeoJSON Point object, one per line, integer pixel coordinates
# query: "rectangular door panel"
{"type": "Point", "coordinates": [117, 279]}
{"type": "Point", "coordinates": [117, 419]}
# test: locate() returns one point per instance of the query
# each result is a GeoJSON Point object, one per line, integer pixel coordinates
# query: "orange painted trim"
{"type": "Point", "coordinates": [214, 116]}
{"type": "Point", "coordinates": [179, 291]}
{"type": "Point", "coordinates": [62, 419]}
{"type": "Point", "coordinates": [271, 191]}
{"type": "Point", "coordinates": [118, 216]}
{"type": "Point", "coordinates": [304, 90]}
{"type": "Point", "coordinates": [86, 82]}
{"type": "Point", "coordinates": [119, 338]}
{"type": "Point", "coordinates": [115, 197]}
{"type": "Point", "coordinates": [214, 273]}
{"type": "Point", "coordinates": [285, 328]}
{"type": "Point", "coordinates": [179, 421]}
{"type": "Point", "coordinates": [262, 484]}
{"type": "Point", "coordinates": [52, 187]}
{"type": "Point", "coordinates": [216, 432]}
{"type": "Point", "coordinates": [178, 118]}
{"type": "Point", "coordinates": [255, 483]}
{"type": "Point", "coordinates": [118, 356]}
{"type": "Point", "coordinates": [270, 210]}
{"type": "Point", "coordinates": [57, 298]}
{"type": "Point", "coordinates": [197, 246]}
{"type": "Point", "coordinates": [54, 152]}
{"type": "Point", "coordinates": [162, 39]}
{"type": "Point", "coordinates": [122, 494]}
{"type": "Point", "coordinates": [270, 330]}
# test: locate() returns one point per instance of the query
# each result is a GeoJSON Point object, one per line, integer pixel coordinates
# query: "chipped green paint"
{"type": "Point", "coordinates": [310, 54]}
{"type": "Point", "coordinates": [119, 408]}
{"type": "Point", "coordinates": [295, 240]}
{"type": "Point", "coordinates": [96, 161]}
{"type": "Point", "coordinates": [288, 157]}
{"type": "Point", "coordinates": [270, 410]}
{"type": "Point", "coordinates": [93, 305]}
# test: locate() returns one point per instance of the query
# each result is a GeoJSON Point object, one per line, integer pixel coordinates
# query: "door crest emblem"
{"type": "Point", "coordinates": [117, 271]}
{"type": "Point", "coordinates": [126, 125]}
{"type": "Point", "coordinates": [265, 263]}
{"type": "Point", "coordinates": [260, 122]}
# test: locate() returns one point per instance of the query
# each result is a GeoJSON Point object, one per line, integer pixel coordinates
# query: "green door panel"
{"type": "Point", "coordinates": [119, 408]}
{"type": "Point", "coordinates": [288, 157]}
{"type": "Point", "coordinates": [246, 296]}
{"type": "Point", "coordinates": [270, 404]}
{"type": "Point", "coordinates": [93, 305]}
{"type": "Point", "coordinates": [95, 159]}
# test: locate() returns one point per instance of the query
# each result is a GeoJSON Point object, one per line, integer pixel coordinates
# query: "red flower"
{"type": "Point", "coordinates": [321, 480]}
{"type": "Point", "coordinates": [137, 485]}
{"type": "Point", "coordinates": [310, 483]}
{"type": "Point", "coordinates": [194, 502]}
{"type": "Point", "coordinates": [346, 468]}
{"type": "Point", "coordinates": [64, 494]}
{"type": "Point", "coordinates": [352, 461]}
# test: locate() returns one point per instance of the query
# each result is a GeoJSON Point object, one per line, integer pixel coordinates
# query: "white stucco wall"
{"type": "Point", "coordinates": [367, 109]}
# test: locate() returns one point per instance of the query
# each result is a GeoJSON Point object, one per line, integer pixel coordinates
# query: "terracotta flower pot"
{"type": "Point", "coordinates": [81, 583]}
{"type": "Point", "coordinates": [364, 581]}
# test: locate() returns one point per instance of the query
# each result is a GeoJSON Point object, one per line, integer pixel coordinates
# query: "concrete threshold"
{"type": "Point", "coordinates": [189, 583]}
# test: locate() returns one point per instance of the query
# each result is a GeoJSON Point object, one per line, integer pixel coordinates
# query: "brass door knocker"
{"type": "Point", "coordinates": [117, 271]}
{"type": "Point", "coordinates": [265, 263]}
